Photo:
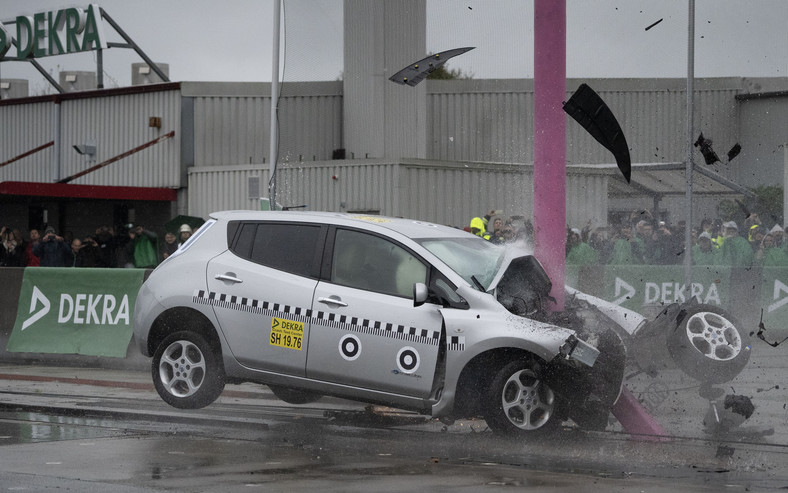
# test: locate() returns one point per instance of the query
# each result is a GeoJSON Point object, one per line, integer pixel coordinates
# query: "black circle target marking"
{"type": "Point", "coordinates": [349, 347]}
{"type": "Point", "coordinates": [408, 360]}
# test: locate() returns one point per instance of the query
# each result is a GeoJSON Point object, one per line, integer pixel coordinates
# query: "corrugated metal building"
{"type": "Point", "coordinates": [479, 148]}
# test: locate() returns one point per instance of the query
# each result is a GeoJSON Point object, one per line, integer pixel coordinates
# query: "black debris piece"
{"type": "Point", "coordinates": [739, 404]}
{"type": "Point", "coordinates": [654, 24]}
{"type": "Point", "coordinates": [418, 71]}
{"type": "Point", "coordinates": [591, 112]}
{"type": "Point", "coordinates": [735, 150]}
{"type": "Point", "coordinates": [762, 329]}
{"type": "Point", "coordinates": [705, 148]}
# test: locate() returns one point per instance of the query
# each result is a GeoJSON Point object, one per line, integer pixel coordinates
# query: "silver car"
{"type": "Point", "coordinates": [390, 311]}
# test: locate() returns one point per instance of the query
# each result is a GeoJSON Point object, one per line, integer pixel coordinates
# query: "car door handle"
{"type": "Point", "coordinates": [332, 301]}
{"type": "Point", "coordinates": [227, 277]}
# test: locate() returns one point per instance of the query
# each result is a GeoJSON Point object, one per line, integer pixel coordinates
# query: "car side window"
{"type": "Point", "coordinates": [286, 247]}
{"type": "Point", "coordinates": [243, 246]}
{"type": "Point", "coordinates": [368, 262]}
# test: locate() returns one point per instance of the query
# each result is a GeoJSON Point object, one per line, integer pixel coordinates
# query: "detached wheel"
{"type": "Point", "coordinates": [186, 372]}
{"type": "Point", "coordinates": [292, 396]}
{"type": "Point", "coordinates": [520, 404]}
{"type": "Point", "coordinates": [709, 345]}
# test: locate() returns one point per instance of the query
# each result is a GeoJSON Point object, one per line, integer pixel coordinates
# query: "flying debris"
{"type": "Point", "coordinates": [735, 150]}
{"type": "Point", "coordinates": [762, 329]}
{"type": "Point", "coordinates": [654, 24]}
{"type": "Point", "coordinates": [705, 148]}
{"type": "Point", "coordinates": [588, 109]}
{"type": "Point", "coordinates": [418, 71]}
{"type": "Point", "coordinates": [708, 153]}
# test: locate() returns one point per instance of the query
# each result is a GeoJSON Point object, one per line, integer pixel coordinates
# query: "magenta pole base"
{"type": "Point", "coordinates": [636, 420]}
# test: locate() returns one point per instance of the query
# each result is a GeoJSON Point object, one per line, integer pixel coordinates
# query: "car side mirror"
{"type": "Point", "coordinates": [419, 294]}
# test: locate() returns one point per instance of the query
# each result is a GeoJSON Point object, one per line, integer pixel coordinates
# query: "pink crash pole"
{"type": "Point", "coordinates": [550, 180]}
{"type": "Point", "coordinates": [550, 141]}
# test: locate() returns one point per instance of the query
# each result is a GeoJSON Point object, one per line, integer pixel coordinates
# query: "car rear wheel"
{"type": "Point", "coordinates": [293, 396]}
{"type": "Point", "coordinates": [519, 403]}
{"type": "Point", "coordinates": [709, 345]}
{"type": "Point", "coordinates": [186, 372]}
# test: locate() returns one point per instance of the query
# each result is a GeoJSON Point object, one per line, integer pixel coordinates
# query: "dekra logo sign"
{"type": "Point", "coordinates": [666, 292]}
{"type": "Point", "coordinates": [80, 309]}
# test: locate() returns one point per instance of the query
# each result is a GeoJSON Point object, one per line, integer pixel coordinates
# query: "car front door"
{"type": "Point", "coordinates": [365, 330]}
{"type": "Point", "coordinates": [261, 291]}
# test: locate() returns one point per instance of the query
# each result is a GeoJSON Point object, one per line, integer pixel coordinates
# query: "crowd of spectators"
{"type": "Point", "coordinates": [498, 229]}
{"type": "Point", "coordinates": [639, 241]}
{"type": "Point", "coordinates": [644, 241]}
{"type": "Point", "coordinates": [129, 246]}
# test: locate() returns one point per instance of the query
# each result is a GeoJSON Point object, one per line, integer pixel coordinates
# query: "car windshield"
{"type": "Point", "coordinates": [472, 258]}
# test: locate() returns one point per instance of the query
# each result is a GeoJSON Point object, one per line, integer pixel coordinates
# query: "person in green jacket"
{"type": "Point", "coordinates": [624, 252]}
{"type": "Point", "coordinates": [771, 255]}
{"type": "Point", "coordinates": [736, 250]}
{"type": "Point", "coordinates": [705, 252]}
{"type": "Point", "coordinates": [578, 251]}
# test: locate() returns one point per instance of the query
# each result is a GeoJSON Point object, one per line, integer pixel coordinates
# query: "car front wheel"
{"type": "Point", "coordinates": [519, 403]}
{"type": "Point", "coordinates": [709, 344]}
{"type": "Point", "coordinates": [186, 372]}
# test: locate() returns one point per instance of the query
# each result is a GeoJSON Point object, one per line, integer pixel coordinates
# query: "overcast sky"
{"type": "Point", "coordinates": [205, 40]}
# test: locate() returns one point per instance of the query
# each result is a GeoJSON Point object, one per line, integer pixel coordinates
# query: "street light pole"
{"type": "Point", "coordinates": [690, 132]}
{"type": "Point", "coordinates": [274, 144]}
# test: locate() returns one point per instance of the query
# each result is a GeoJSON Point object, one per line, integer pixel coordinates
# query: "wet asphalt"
{"type": "Point", "coordinates": [81, 428]}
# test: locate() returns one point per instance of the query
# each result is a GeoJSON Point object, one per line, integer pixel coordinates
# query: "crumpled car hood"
{"type": "Point", "coordinates": [514, 260]}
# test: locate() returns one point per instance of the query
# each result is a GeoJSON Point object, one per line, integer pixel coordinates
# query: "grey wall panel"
{"type": "Point", "coordinates": [234, 129]}
{"type": "Point", "coordinates": [764, 140]}
{"type": "Point", "coordinates": [118, 124]}
{"type": "Point", "coordinates": [339, 186]}
{"type": "Point", "coordinates": [586, 199]}
{"type": "Point", "coordinates": [231, 130]}
{"type": "Point", "coordinates": [310, 127]}
{"type": "Point", "coordinates": [364, 54]}
{"type": "Point", "coordinates": [218, 188]}
{"type": "Point", "coordinates": [452, 194]}
{"type": "Point", "coordinates": [359, 186]}
{"type": "Point", "coordinates": [445, 193]}
{"type": "Point", "coordinates": [25, 127]}
{"type": "Point", "coordinates": [492, 120]}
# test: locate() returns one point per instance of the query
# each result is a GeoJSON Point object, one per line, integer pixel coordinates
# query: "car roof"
{"type": "Point", "coordinates": [411, 228]}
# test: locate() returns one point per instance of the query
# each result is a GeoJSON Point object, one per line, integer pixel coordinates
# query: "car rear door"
{"type": "Point", "coordinates": [365, 330]}
{"type": "Point", "coordinates": [261, 290]}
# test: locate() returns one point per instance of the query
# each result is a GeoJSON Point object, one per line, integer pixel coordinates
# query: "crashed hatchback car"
{"type": "Point", "coordinates": [388, 311]}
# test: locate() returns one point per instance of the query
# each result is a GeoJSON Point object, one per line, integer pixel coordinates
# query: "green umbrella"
{"type": "Point", "coordinates": [175, 223]}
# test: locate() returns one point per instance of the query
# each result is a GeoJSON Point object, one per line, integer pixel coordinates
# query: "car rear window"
{"type": "Point", "coordinates": [286, 247]}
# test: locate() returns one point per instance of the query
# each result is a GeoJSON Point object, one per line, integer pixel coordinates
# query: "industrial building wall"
{"type": "Point", "coordinates": [492, 120]}
{"type": "Point", "coordinates": [764, 120]}
{"type": "Point", "coordinates": [337, 186]}
{"type": "Point", "coordinates": [25, 127]}
{"type": "Point", "coordinates": [117, 124]}
{"type": "Point", "coordinates": [369, 186]}
{"type": "Point", "coordinates": [115, 121]}
{"type": "Point", "coordinates": [232, 122]}
{"type": "Point", "coordinates": [453, 193]}
{"type": "Point", "coordinates": [440, 192]}
{"type": "Point", "coordinates": [480, 120]}
{"type": "Point", "coordinates": [383, 119]}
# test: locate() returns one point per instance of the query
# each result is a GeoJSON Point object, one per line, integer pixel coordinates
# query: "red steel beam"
{"type": "Point", "coordinates": [118, 157]}
{"type": "Point", "coordinates": [28, 153]}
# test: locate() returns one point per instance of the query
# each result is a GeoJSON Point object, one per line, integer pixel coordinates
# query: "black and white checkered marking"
{"type": "Point", "coordinates": [350, 347]}
{"type": "Point", "coordinates": [305, 315]}
{"type": "Point", "coordinates": [408, 360]}
{"type": "Point", "coordinates": [456, 343]}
